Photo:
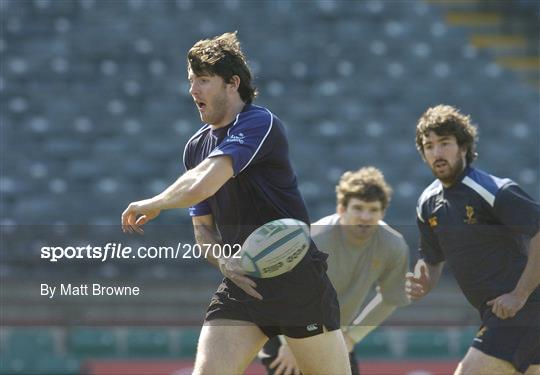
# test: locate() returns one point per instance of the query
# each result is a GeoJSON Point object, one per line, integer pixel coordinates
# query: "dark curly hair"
{"type": "Point", "coordinates": [222, 56]}
{"type": "Point", "coordinates": [447, 120]}
{"type": "Point", "coordinates": [366, 184]}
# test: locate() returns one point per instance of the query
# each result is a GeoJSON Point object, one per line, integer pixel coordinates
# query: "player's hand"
{"type": "Point", "coordinates": [507, 305]}
{"type": "Point", "coordinates": [231, 269]}
{"type": "Point", "coordinates": [417, 284]}
{"type": "Point", "coordinates": [349, 342]}
{"type": "Point", "coordinates": [137, 214]}
{"type": "Point", "coordinates": [285, 363]}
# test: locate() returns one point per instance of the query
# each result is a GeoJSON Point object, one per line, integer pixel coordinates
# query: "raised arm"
{"type": "Point", "coordinates": [390, 295]}
{"type": "Point", "coordinates": [375, 312]}
{"type": "Point", "coordinates": [192, 187]}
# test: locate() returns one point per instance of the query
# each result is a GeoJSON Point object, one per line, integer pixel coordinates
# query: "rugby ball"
{"type": "Point", "coordinates": [275, 248]}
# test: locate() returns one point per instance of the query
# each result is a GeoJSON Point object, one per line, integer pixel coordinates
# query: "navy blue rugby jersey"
{"type": "Point", "coordinates": [264, 186]}
{"type": "Point", "coordinates": [481, 227]}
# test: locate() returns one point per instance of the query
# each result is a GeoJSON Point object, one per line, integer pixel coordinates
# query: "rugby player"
{"type": "Point", "coordinates": [239, 177]}
{"type": "Point", "coordinates": [363, 251]}
{"type": "Point", "coordinates": [480, 226]}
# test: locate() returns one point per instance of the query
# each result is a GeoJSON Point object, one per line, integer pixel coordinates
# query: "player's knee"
{"type": "Point", "coordinates": [206, 366]}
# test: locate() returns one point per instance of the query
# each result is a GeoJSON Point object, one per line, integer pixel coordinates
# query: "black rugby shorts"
{"type": "Point", "coordinates": [300, 303]}
{"type": "Point", "coordinates": [515, 340]}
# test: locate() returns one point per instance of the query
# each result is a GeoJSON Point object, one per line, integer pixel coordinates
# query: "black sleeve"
{"type": "Point", "coordinates": [429, 246]}
{"type": "Point", "coordinates": [517, 210]}
{"type": "Point", "coordinates": [186, 157]}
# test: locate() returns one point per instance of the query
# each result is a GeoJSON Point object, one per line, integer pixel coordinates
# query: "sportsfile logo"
{"type": "Point", "coordinates": [236, 138]}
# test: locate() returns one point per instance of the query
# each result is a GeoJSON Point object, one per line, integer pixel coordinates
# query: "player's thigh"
{"type": "Point", "coordinates": [477, 363]}
{"type": "Point", "coordinates": [227, 346]}
{"type": "Point", "coordinates": [325, 353]}
{"type": "Point", "coordinates": [533, 370]}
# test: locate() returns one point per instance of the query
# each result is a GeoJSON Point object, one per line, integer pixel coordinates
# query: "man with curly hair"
{"type": "Point", "coordinates": [239, 177]}
{"type": "Point", "coordinates": [487, 230]}
{"type": "Point", "coordinates": [363, 251]}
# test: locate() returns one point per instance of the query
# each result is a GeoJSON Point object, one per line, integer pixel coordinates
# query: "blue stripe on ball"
{"type": "Point", "coordinates": [277, 244]}
{"type": "Point", "coordinates": [257, 272]}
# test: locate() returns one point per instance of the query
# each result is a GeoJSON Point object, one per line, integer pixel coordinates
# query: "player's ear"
{"type": "Point", "coordinates": [235, 82]}
{"type": "Point", "coordinates": [463, 150]}
{"type": "Point", "coordinates": [340, 209]}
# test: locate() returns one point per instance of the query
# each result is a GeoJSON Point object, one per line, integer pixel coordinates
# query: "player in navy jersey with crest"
{"type": "Point", "coordinates": [487, 230]}
{"type": "Point", "coordinates": [239, 177]}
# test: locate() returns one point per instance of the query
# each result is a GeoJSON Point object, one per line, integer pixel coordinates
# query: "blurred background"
{"type": "Point", "coordinates": [95, 112]}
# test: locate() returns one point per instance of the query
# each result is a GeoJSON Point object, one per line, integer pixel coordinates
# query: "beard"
{"type": "Point", "coordinates": [449, 172]}
{"type": "Point", "coordinates": [216, 110]}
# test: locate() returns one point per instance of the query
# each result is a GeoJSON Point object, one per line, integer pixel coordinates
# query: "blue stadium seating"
{"type": "Point", "coordinates": [96, 109]}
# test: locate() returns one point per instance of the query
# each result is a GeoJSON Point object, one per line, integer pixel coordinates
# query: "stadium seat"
{"type": "Point", "coordinates": [24, 343]}
{"type": "Point", "coordinates": [98, 110]}
{"type": "Point", "coordinates": [188, 342]}
{"type": "Point", "coordinates": [92, 342]}
{"type": "Point", "coordinates": [22, 348]}
{"type": "Point", "coordinates": [374, 345]}
{"type": "Point", "coordinates": [148, 343]}
{"type": "Point", "coordinates": [427, 343]}
{"type": "Point", "coordinates": [466, 339]}
{"type": "Point", "coordinates": [12, 366]}
{"type": "Point", "coordinates": [57, 365]}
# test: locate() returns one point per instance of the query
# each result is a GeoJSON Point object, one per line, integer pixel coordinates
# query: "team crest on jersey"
{"type": "Point", "coordinates": [433, 221]}
{"type": "Point", "coordinates": [481, 332]}
{"type": "Point", "coordinates": [236, 138]}
{"type": "Point", "coordinates": [469, 212]}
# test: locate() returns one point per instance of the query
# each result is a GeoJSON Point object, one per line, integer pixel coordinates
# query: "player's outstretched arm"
{"type": "Point", "coordinates": [507, 305]}
{"type": "Point", "coordinates": [192, 187]}
{"type": "Point", "coordinates": [375, 312]}
{"type": "Point", "coordinates": [198, 183]}
{"type": "Point", "coordinates": [390, 295]}
{"type": "Point", "coordinates": [425, 277]}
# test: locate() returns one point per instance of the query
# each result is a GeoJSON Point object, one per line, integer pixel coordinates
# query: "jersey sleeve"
{"type": "Point", "coordinates": [245, 140]}
{"type": "Point", "coordinates": [392, 281]}
{"type": "Point", "coordinates": [201, 208]}
{"type": "Point", "coordinates": [188, 157]}
{"type": "Point", "coordinates": [429, 248]}
{"type": "Point", "coordinates": [517, 210]}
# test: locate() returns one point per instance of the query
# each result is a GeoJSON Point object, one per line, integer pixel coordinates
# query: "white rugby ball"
{"type": "Point", "coordinates": [275, 248]}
